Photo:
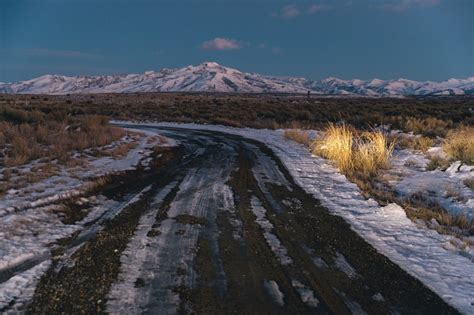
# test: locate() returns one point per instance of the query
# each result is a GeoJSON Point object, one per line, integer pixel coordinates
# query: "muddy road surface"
{"type": "Point", "coordinates": [220, 227]}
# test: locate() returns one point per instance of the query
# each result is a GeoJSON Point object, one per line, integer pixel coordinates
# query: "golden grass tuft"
{"type": "Point", "coordinates": [459, 144]}
{"type": "Point", "coordinates": [297, 135]}
{"type": "Point", "coordinates": [336, 145]}
{"type": "Point", "coordinates": [355, 154]}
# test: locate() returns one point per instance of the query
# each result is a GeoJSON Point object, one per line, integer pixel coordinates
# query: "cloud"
{"type": "Point", "coordinates": [402, 5]}
{"type": "Point", "coordinates": [276, 50]}
{"type": "Point", "coordinates": [316, 8]}
{"type": "Point", "coordinates": [220, 43]}
{"type": "Point", "coordinates": [290, 11]}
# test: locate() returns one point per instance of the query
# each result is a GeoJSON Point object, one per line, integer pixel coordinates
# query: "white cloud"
{"type": "Point", "coordinates": [402, 5]}
{"type": "Point", "coordinates": [220, 43]}
{"type": "Point", "coordinates": [290, 11]}
{"type": "Point", "coordinates": [316, 8]}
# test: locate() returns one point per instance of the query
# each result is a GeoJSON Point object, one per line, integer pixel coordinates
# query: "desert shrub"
{"type": "Point", "coordinates": [430, 126]}
{"type": "Point", "coordinates": [437, 162]}
{"type": "Point", "coordinates": [20, 116]}
{"type": "Point", "coordinates": [297, 135]}
{"type": "Point", "coordinates": [459, 144]}
{"type": "Point", "coordinates": [355, 154]}
{"type": "Point", "coordinates": [420, 143]}
{"type": "Point", "coordinates": [23, 141]}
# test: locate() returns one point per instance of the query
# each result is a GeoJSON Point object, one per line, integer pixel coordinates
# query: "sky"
{"type": "Point", "coordinates": [365, 39]}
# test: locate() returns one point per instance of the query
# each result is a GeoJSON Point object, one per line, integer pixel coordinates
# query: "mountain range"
{"type": "Point", "coordinates": [212, 77]}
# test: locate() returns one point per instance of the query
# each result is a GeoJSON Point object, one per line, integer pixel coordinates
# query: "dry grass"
{"type": "Point", "coordinates": [298, 135]}
{"type": "Point", "coordinates": [28, 136]}
{"type": "Point", "coordinates": [355, 154]}
{"type": "Point", "coordinates": [337, 146]}
{"type": "Point", "coordinates": [469, 183]}
{"type": "Point", "coordinates": [459, 144]}
{"type": "Point", "coordinates": [430, 126]}
{"type": "Point", "coordinates": [420, 143]}
{"type": "Point", "coordinates": [437, 162]}
{"type": "Point", "coordinates": [418, 206]}
{"type": "Point", "coordinates": [120, 150]}
{"type": "Point", "coordinates": [98, 182]}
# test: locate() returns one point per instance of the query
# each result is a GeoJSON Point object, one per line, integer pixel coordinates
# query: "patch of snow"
{"type": "Point", "coordinates": [18, 290]}
{"type": "Point", "coordinates": [306, 294]}
{"type": "Point", "coordinates": [272, 240]}
{"type": "Point", "coordinates": [378, 297]}
{"type": "Point", "coordinates": [447, 188]}
{"type": "Point", "coordinates": [125, 296]}
{"type": "Point", "coordinates": [274, 291]}
{"type": "Point", "coordinates": [343, 265]}
{"type": "Point", "coordinates": [30, 222]}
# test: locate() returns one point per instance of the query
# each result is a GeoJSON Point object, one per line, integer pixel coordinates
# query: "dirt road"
{"type": "Point", "coordinates": [219, 226]}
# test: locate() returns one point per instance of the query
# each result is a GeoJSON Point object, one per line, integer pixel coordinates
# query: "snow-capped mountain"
{"type": "Point", "coordinates": [212, 77]}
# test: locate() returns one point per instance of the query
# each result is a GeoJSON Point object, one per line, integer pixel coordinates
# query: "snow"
{"type": "Point", "coordinates": [423, 253]}
{"type": "Point", "coordinates": [20, 288]}
{"type": "Point", "coordinates": [210, 76]}
{"type": "Point", "coordinates": [272, 240]}
{"type": "Point", "coordinates": [132, 264]}
{"type": "Point", "coordinates": [344, 266]}
{"type": "Point", "coordinates": [72, 182]}
{"type": "Point", "coordinates": [30, 221]}
{"type": "Point", "coordinates": [306, 294]}
{"type": "Point", "coordinates": [274, 291]}
{"type": "Point", "coordinates": [408, 176]}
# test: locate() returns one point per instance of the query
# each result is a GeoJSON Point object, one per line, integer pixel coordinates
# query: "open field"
{"type": "Point", "coordinates": [430, 116]}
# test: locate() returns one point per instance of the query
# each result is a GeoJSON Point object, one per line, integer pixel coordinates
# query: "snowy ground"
{"type": "Point", "coordinates": [30, 216]}
{"type": "Point", "coordinates": [409, 175]}
{"type": "Point", "coordinates": [28, 228]}
{"type": "Point", "coordinates": [422, 252]}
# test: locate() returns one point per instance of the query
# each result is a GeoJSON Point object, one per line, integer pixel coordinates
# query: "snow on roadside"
{"type": "Point", "coordinates": [20, 288]}
{"type": "Point", "coordinates": [70, 181]}
{"type": "Point", "coordinates": [408, 175]}
{"type": "Point", "coordinates": [421, 252]}
{"type": "Point", "coordinates": [30, 221]}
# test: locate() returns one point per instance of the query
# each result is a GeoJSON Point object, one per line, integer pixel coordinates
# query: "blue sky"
{"type": "Point", "coordinates": [415, 39]}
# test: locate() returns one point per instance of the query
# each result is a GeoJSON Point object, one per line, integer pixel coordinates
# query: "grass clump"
{"type": "Point", "coordinates": [419, 143]}
{"type": "Point", "coordinates": [437, 162]}
{"type": "Point", "coordinates": [459, 144]}
{"type": "Point", "coordinates": [356, 154]}
{"type": "Point", "coordinates": [297, 135]}
{"type": "Point", "coordinates": [337, 145]}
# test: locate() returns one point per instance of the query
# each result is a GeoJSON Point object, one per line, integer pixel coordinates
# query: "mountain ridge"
{"type": "Point", "coordinates": [212, 77]}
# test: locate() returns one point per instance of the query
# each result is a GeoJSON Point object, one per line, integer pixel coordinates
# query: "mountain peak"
{"type": "Point", "coordinates": [210, 64]}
